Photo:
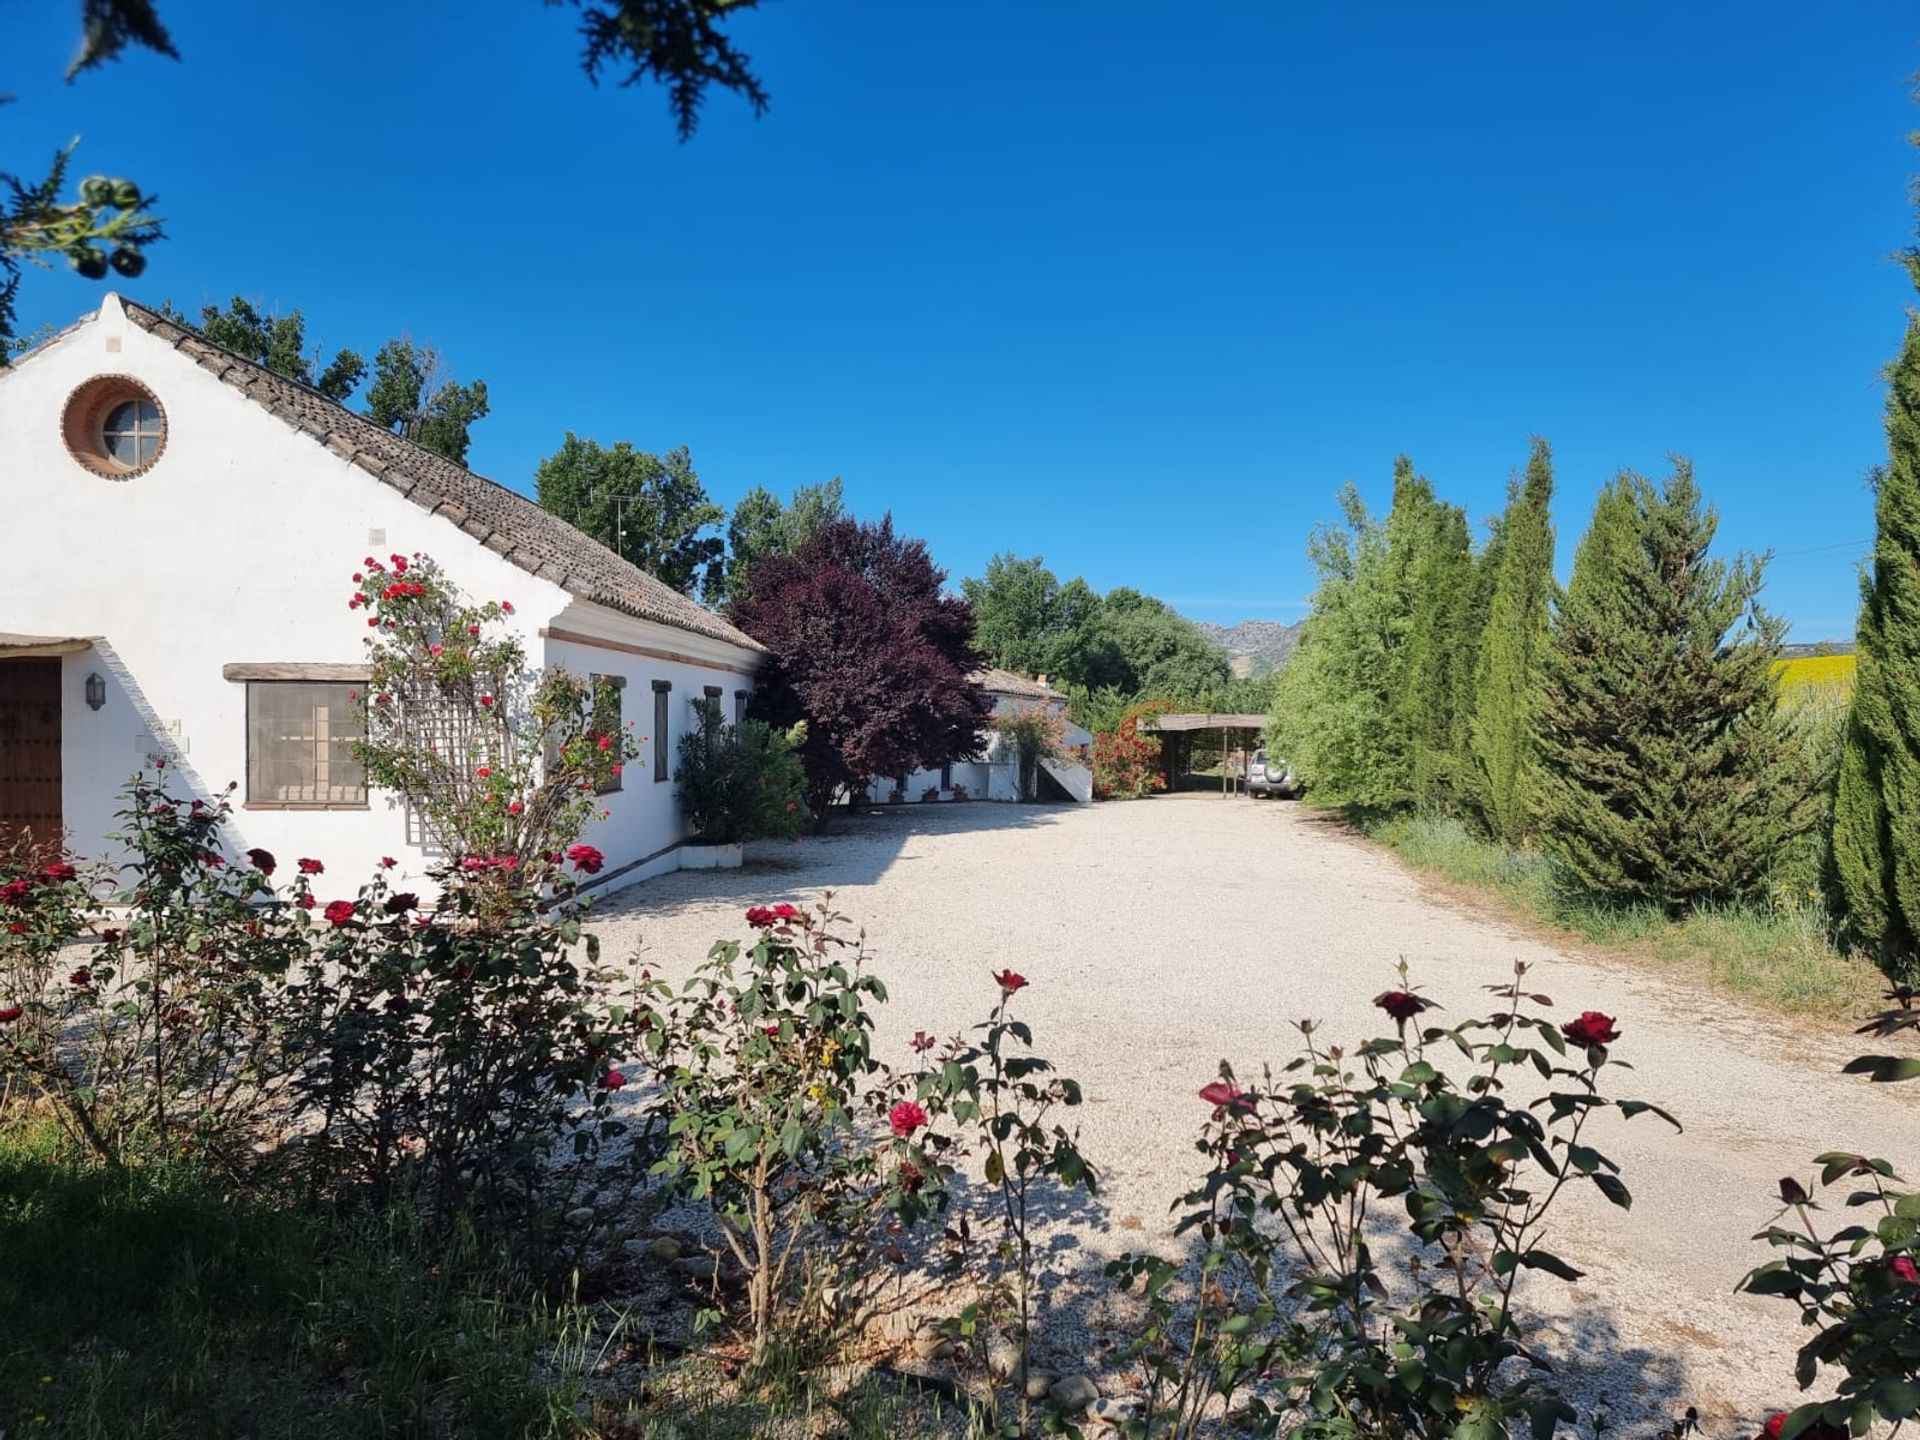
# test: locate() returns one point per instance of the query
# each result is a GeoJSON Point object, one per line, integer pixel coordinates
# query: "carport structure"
{"type": "Point", "coordinates": [1180, 730]}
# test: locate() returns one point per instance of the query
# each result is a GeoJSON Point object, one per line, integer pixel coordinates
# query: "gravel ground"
{"type": "Point", "coordinates": [1164, 935]}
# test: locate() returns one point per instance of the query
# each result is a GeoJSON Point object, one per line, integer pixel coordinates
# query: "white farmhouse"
{"type": "Point", "coordinates": [994, 774]}
{"type": "Point", "coordinates": [178, 527]}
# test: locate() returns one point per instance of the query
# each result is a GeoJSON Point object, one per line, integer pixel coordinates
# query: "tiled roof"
{"type": "Point", "coordinates": [1005, 682]}
{"type": "Point", "coordinates": [505, 522]}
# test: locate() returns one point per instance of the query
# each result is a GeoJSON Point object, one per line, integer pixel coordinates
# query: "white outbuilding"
{"type": "Point", "coordinates": [178, 526]}
{"type": "Point", "coordinates": [993, 772]}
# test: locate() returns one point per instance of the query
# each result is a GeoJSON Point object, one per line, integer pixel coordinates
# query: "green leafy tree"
{"type": "Point", "coordinates": [649, 509]}
{"type": "Point", "coordinates": [1146, 647]}
{"type": "Point", "coordinates": [278, 342]}
{"type": "Point", "coordinates": [1507, 665]}
{"type": "Point", "coordinates": [1016, 613]}
{"type": "Point", "coordinates": [1667, 771]}
{"type": "Point", "coordinates": [1876, 828]}
{"type": "Point", "coordinates": [760, 525]}
{"type": "Point", "coordinates": [413, 396]}
{"type": "Point", "coordinates": [1342, 710]}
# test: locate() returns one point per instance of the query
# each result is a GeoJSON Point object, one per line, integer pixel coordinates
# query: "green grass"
{"type": "Point", "coordinates": [158, 1302]}
{"type": "Point", "coordinates": [1781, 955]}
{"type": "Point", "coordinates": [154, 1302]}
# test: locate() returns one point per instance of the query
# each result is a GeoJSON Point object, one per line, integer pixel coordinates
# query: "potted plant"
{"type": "Point", "coordinates": [959, 791]}
{"type": "Point", "coordinates": [737, 783]}
{"type": "Point", "coordinates": [930, 794]}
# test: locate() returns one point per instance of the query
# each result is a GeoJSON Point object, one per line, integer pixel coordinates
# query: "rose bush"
{"type": "Point", "coordinates": [1348, 1335]}
{"type": "Point", "coordinates": [503, 764]}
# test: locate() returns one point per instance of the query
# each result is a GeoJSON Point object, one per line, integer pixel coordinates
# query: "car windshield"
{"type": "Point", "coordinates": [1260, 757]}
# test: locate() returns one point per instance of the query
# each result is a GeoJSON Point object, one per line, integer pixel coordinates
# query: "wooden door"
{"type": "Point", "coordinates": [30, 750]}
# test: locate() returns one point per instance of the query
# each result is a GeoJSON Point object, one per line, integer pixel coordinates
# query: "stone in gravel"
{"type": "Point", "coordinates": [695, 1267]}
{"type": "Point", "coordinates": [580, 1215]}
{"type": "Point", "coordinates": [930, 1344]}
{"type": "Point", "coordinates": [663, 1248]}
{"type": "Point", "coordinates": [1039, 1382]}
{"type": "Point", "coordinates": [1111, 1414]}
{"type": "Point", "coordinates": [1003, 1356]}
{"type": "Point", "coordinates": [1073, 1393]}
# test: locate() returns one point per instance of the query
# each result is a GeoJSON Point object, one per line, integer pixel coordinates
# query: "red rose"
{"type": "Point", "coordinates": [515, 807]}
{"type": "Point", "coordinates": [605, 742]}
{"type": "Point", "coordinates": [1819, 1430]}
{"type": "Point", "coordinates": [261, 860]}
{"type": "Point", "coordinates": [585, 858]}
{"type": "Point", "coordinates": [305, 902]}
{"type": "Point", "coordinates": [784, 911]}
{"type": "Point", "coordinates": [400, 902]}
{"type": "Point", "coordinates": [387, 862]}
{"type": "Point", "coordinates": [506, 607]}
{"type": "Point", "coordinates": [1402, 1004]}
{"type": "Point", "coordinates": [1224, 1096]}
{"type": "Point", "coordinates": [1904, 1269]}
{"type": "Point", "coordinates": [9, 1015]}
{"type": "Point", "coordinates": [18, 927]}
{"type": "Point", "coordinates": [1591, 1028]}
{"type": "Point", "coordinates": [473, 629]}
{"type": "Point", "coordinates": [81, 978]}
{"type": "Point", "coordinates": [486, 702]}
{"type": "Point", "coordinates": [14, 891]}
{"type": "Point", "coordinates": [372, 620]}
{"type": "Point", "coordinates": [484, 772]}
{"type": "Point", "coordinates": [612, 1080]}
{"type": "Point", "coordinates": [339, 911]}
{"type": "Point", "coordinates": [922, 1042]}
{"type": "Point", "coordinates": [905, 1118]}
{"type": "Point", "coordinates": [1009, 982]}
{"type": "Point", "coordinates": [759, 917]}
{"type": "Point", "coordinates": [59, 870]}
{"type": "Point", "coordinates": [312, 867]}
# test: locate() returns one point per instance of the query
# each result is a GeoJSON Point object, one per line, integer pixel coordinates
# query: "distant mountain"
{"type": "Point", "coordinates": [1257, 647]}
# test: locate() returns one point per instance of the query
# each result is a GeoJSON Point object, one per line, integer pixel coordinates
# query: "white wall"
{"type": "Point", "coordinates": [237, 546]}
{"type": "Point", "coordinates": [643, 817]}
{"type": "Point", "coordinates": [996, 774]}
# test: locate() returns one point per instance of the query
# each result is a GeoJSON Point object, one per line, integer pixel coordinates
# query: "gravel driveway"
{"type": "Point", "coordinates": [1163, 935]}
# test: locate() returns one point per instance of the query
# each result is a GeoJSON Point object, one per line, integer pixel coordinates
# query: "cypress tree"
{"type": "Point", "coordinates": [1665, 769]}
{"type": "Point", "coordinates": [1507, 666]}
{"type": "Point", "coordinates": [1466, 797]}
{"type": "Point", "coordinates": [1876, 820]}
{"type": "Point", "coordinates": [1443, 600]}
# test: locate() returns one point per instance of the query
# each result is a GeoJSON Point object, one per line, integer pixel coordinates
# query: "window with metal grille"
{"type": "Point", "coordinates": [300, 736]}
{"type": "Point", "coordinates": [740, 705]}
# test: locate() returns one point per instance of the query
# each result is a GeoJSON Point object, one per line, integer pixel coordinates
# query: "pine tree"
{"type": "Point", "coordinates": [1876, 822]}
{"type": "Point", "coordinates": [1665, 770]}
{"type": "Point", "coordinates": [1507, 666]}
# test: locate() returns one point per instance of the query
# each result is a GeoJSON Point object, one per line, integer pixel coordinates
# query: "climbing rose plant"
{"type": "Point", "coordinates": [502, 763]}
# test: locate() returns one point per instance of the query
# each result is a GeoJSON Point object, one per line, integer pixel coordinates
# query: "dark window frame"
{"type": "Point", "coordinates": [618, 685]}
{"type": "Point", "coordinates": [662, 718]}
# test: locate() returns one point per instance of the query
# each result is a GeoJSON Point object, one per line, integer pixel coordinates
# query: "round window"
{"type": "Point", "coordinates": [114, 426]}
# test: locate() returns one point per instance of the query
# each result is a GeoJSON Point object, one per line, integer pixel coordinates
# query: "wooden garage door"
{"type": "Point", "coordinates": [30, 748]}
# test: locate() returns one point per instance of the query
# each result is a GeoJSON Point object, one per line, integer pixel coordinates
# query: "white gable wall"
{"type": "Point", "coordinates": [236, 547]}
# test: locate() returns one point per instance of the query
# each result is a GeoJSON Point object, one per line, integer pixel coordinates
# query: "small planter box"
{"type": "Point", "coordinates": [695, 856]}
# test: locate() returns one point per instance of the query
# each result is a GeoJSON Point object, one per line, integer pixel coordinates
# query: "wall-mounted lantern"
{"type": "Point", "coordinates": [96, 691]}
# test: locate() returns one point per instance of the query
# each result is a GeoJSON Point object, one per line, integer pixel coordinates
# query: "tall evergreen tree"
{"type": "Point", "coordinates": [1665, 768]}
{"type": "Point", "coordinates": [1475, 610]}
{"type": "Point", "coordinates": [1507, 665]}
{"type": "Point", "coordinates": [1434, 690]}
{"type": "Point", "coordinates": [1876, 821]}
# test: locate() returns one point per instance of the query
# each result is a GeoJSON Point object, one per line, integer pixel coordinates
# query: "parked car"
{"type": "Point", "coordinates": [1270, 775]}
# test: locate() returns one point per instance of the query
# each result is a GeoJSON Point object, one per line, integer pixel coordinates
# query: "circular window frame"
{"type": "Point", "coordinates": [83, 425]}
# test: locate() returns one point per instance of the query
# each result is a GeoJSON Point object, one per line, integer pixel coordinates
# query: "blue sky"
{"type": "Point", "coordinates": [1132, 286]}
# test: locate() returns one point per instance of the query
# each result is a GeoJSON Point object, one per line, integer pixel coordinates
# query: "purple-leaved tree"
{"type": "Point", "coordinates": [867, 648]}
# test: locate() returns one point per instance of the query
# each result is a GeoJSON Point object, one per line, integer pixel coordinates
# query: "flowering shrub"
{"type": "Point", "coordinates": [765, 1063]}
{"type": "Point", "coordinates": [169, 1027]}
{"type": "Point", "coordinates": [1126, 764]}
{"type": "Point", "coordinates": [502, 764]}
{"type": "Point", "coordinates": [1858, 1286]}
{"type": "Point", "coordinates": [1301, 1168]}
{"type": "Point", "coordinates": [1036, 733]}
{"type": "Point", "coordinates": [1004, 1098]}
{"type": "Point", "coordinates": [740, 782]}
{"type": "Point", "coordinates": [455, 1056]}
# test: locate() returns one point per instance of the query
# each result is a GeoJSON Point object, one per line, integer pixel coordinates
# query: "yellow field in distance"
{"type": "Point", "coordinates": [1802, 677]}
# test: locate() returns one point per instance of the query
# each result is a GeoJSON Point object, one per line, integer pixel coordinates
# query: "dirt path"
{"type": "Point", "coordinates": [1162, 936]}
